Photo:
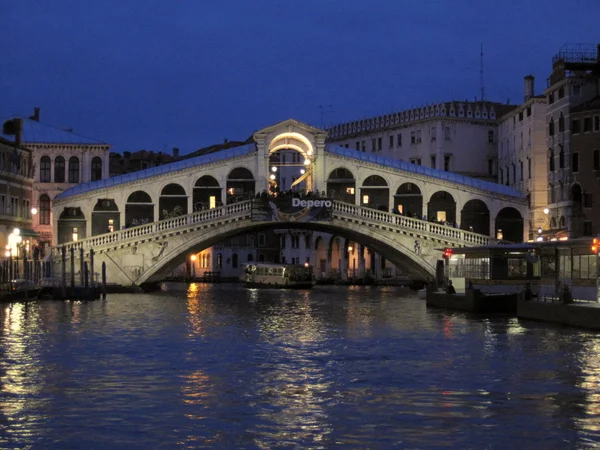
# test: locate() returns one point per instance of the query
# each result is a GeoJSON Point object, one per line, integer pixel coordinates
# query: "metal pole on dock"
{"type": "Point", "coordinates": [92, 267]}
{"type": "Point", "coordinates": [72, 272]}
{"type": "Point", "coordinates": [63, 278]}
{"type": "Point", "coordinates": [86, 282]}
{"type": "Point", "coordinates": [103, 280]}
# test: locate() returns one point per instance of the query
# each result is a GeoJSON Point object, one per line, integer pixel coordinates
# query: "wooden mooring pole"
{"type": "Point", "coordinates": [103, 280]}
{"type": "Point", "coordinates": [73, 273]}
{"type": "Point", "coordinates": [63, 278]}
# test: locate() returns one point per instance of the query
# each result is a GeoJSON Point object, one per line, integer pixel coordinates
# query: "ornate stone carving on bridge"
{"type": "Point", "coordinates": [163, 246]}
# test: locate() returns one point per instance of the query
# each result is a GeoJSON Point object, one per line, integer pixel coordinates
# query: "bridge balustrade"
{"type": "Point", "coordinates": [435, 229]}
{"type": "Point", "coordinates": [243, 209]}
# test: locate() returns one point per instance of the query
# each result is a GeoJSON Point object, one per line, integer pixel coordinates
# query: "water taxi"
{"type": "Point", "coordinates": [272, 275]}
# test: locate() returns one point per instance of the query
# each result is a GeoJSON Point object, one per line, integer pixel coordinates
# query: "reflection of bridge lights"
{"type": "Point", "coordinates": [307, 162]}
{"type": "Point", "coordinates": [274, 169]}
{"type": "Point", "coordinates": [272, 176]}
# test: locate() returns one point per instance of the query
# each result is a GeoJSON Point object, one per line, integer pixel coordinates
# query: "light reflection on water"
{"type": "Point", "coordinates": [224, 367]}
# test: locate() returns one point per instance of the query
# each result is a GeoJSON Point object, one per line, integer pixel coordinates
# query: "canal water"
{"type": "Point", "coordinates": [220, 366]}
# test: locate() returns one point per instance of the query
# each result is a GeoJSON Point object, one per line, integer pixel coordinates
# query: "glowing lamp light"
{"type": "Point", "coordinates": [272, 176]}
{"type": "Point", "coordinates": [16, 232]}
{"type": "Point", "coordinates": [273, 169]}
{"type": "Point", "coordinates": [302, 171]}
{"type": "Point", "coordinates": [310, 152]}
{"type": "Point", "coordinates": [546, 210]}
{"type": "Point", "coordinates": [193, 257]}
{"type": "Point", "coordinates": [34, 211]}
{"type": "Point", "coordinates": [305, 264]}
{"type": "Point", "coordinates": [595, 245]}
{"type": "Point", "coordinates": [447, 253]}
{"type": "Point", "coordinates": [539, 239]}
{"type": "Point", "coordinates": [307, 162]}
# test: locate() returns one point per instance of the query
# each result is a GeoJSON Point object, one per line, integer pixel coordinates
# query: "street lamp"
{"type": "Point", "coordinates": [193, 259]}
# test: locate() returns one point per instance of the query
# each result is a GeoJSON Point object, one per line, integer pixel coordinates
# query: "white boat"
{"type": "Point", "coordinates": [272, 275]}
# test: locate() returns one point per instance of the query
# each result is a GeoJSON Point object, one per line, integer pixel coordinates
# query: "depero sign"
{"type": "Point", "coordinates": [291, 209]}
{"type": "Point", "coordinates": [311, 203]}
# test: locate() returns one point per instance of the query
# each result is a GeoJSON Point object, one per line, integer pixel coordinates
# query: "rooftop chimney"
{"type": "Point", "coordinates": [36, 114]}
{"type": "Point", "coordinates": [529, 87]}
{"type": "Point", "coordinates": [14, 127]}
{"type": "Point", "coordinates": [175, 152]}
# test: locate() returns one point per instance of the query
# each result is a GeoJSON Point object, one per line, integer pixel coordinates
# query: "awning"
{"type": "Point", "coordinates": [26, 232]}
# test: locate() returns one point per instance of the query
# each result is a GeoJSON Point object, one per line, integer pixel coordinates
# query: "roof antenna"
{"type": "Point", "coordinates": [482, 91]}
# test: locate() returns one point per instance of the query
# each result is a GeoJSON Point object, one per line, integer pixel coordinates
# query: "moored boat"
{"type": "Point", "coordinates": [272, 275]}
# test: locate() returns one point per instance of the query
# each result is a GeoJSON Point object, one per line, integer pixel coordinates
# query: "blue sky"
{"type": "Point", "coordinates": [158, 74]}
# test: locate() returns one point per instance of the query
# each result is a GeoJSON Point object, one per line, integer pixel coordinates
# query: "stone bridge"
{"type": "Point", "coordinates": [148, 253]}
{"type": "Point", "coordinates": [157, 216]}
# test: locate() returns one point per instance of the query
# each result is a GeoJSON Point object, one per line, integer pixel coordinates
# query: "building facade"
{"type": "Point", "coordinates": [522, 155]}
{"type": "Point", "coordinates": [458, 137]}
{"type": "Point", "coordinates": [585, 167]}
{"type": "Point", "coordinates": [61, 159]}
{"type": "Point", "coordinates": [16, 190]}
{"type": "Point", "coordinates": [573, 82]}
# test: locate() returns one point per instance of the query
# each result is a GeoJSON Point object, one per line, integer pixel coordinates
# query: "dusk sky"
{"type": "Point", "coordinates": [150, 74]}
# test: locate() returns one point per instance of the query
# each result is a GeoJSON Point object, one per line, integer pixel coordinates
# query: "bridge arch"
{"type": "Point", "coordinates": [341, 185]}
{"type": "Point", "coordinates": [139, 209]}
{"type": "Point", "coordinates": [509, 222]}
{"type": "Point", "coordinates": [106, 217]}
{"type": "Point", "coordinates": [442, 207]}
{"type": "Point", "coordinates": [375, 193]}
{"type": "Point", "coordinates": [172, 201]}
{"type": "Point", "coordinates": [475, 217]}
{"type": "Point", "coordinates": [408, 200]}
{"type": "Point", "coordinates": [71, 225]}
{"type": "Point", "coordinates": [207, 193]}
{"type": "Point", "coordinates": [240, 184]}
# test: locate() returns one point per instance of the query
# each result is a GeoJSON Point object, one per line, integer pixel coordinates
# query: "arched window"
{"type": "Point", "coordinates": [96, 168]}
{"type": "Point", "coordinates": [45, 209]}
{"type": "Point", "coordinates": [551, 127]}
{"type": "Point", "coordinates": [59, 169]}
{"type": "Point", "coordinates": [73, 169]}
{"type": "Point", "coordinates": [45, 169]}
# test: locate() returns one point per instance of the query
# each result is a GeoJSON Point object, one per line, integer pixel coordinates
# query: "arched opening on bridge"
{"type": "Point", "coordinates": [139, 209]}
{"type": "Point", "coordinates": [341, 185]}
{"type": "Point", "coordinates": [106, 217]}
{"type": "Point", "coordinates": [375, 193]}
{"type": "Point", "coordinates": [172, 201]}
{"type": "Point", "coordinates": [408, 200]}
{"type": "Point", "coordinates": [475, 217]}
{"type": "Point", "coordinates": [509, 223]}
{"type": "Point", "coordinates": [320, 265]}
{"type": "Point", "coordinates": [207, 193]}
{"type": "Point", "coordinates": [71, 225]}
{"type": "Point", "coordinates": [240, 185]}
{"type": "Point", "coordinates": [442, 208]}
{"type": "Point", "coordinates": [288, 171]}
{"type": "Point", "coordinates": [291, 158]}
{"type": "Point", "coordinates": [576, 195]}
